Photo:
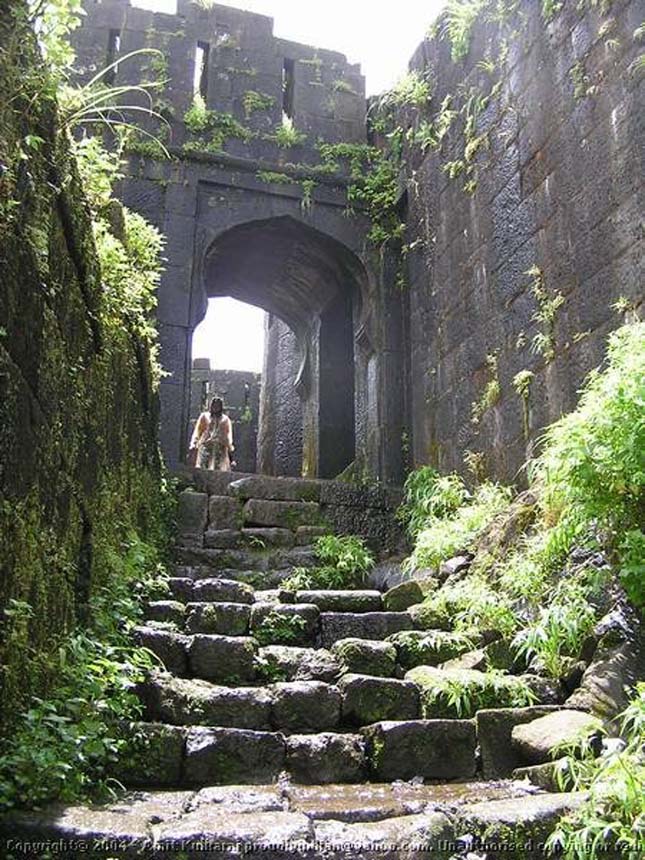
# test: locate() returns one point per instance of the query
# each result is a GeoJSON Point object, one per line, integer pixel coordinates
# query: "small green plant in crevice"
{"type": "Point", "coordinates": [492, 392]}
{"type": "Point", "coordinates": [220, 127]}
{"type": "Point", "coordinates": [546, 314]}
{"type": "Point", "coordinates": [609, 821]}
{"type": "Point", "coordinates": [253, 101]}
{"type": "Point", "coordinates": [345, 561]}
{"type": "Point", "coordinates": [269, 670]}
{"type": "Point", "coordinates": [550, 9]}
{"type": "Point", "coordinates": [430, 134]}
{"type": "Point", "coordinates": [287, 135]}
{"type": "Point", "coordinates": [522, 382]}
{"type": "Point", "coordinates": [340, 86]}
{"type": "Point", "coordinates": [278, 628]}
{"type": "Point", "coordinates": [412, 90]}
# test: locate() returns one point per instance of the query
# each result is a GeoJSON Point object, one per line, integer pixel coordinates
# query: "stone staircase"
{"type": "Point", "coordinates": [290, 716]}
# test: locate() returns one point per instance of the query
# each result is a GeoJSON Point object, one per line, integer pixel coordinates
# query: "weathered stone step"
{"type": "Point", "coordinates": [249, 538]}
{"type": "Point", "coordinates": [342, 600]}
{"type": "Point", "coordinates": [289, 663]}
{"type": "Point", "coordinates": [280, 514]}
{"type": "Point", "coordinates": [226, 619]}
{"type": "Point", "coordinates": [285, 623]}
{"type": "Point", "coordinates": [366, 656]}
{"type": "Point", "coordinates": [432, 749]}
{"type": "Point", "coordinates": [206, 562]}
{"type": "Point", "coordinates": [367, 699]}
{"type": "Point", "coordinates": [297, 706]}
{"type": "Point", "coordinates": [350, 822]}
{"type": "Point", "coordinates": [361, 625]}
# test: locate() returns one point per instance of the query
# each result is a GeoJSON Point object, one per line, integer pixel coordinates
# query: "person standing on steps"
{"type": "Point", "coordinates": [213, 438]}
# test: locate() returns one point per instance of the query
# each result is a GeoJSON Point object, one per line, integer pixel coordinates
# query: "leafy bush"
{"type": "Point", "coordinates": [462, 693]}
{"type": "Point", "coordinates": [444, 535]}
{"type": "Point", "coordinates": [611, 821]}
{"type": "Point", "coordinates": [429, 495]}
{"type": "Point", "coordinates": [559, 631]}
{"type": "Point", "coordinates": [64, 745]}
{"type": "Point", "coordinates": [469, 606]}
{"type": "Point", "coordinates": [593, 463]}
{"type": "Point", "coordinates": [345, 559]}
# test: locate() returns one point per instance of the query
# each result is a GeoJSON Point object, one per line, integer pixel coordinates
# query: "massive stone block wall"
{"type": "Point", "coordinates": [559, 193]}
{"type": "Point", "coordinates": [79, 464]}
{"type": "Point", "coordinates": [247, 218]}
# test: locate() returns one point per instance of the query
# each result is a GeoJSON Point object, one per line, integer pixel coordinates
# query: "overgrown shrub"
{"type": "Point", "coordinates": [345, 561]}
{"type": "Point", "coordinates": [611, 820]}
{"type": "Point", "coordinates": [452, 526]}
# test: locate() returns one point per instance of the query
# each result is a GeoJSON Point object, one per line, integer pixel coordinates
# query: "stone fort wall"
{"type": "Point", "coordinates": [533, 269]}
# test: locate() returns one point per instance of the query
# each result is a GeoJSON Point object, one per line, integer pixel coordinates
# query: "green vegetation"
{"type": "Point", "coordinates": [461, 693]}
{"type": "Point", "coordinates": [287, 135]}
{"type": "Point", "coordinates": [254, 101]}
{"type": "Point", "coordinates": [278, 628]}
{"type": "Point", "coordinates": [444, 535]}
{"type": "Point", "coordinates": [65, 743]}
{"type": "Point", "coordinates": [457, 22]}
{"type": "Point", "coordinates": [345, 561]}
{"type": "Point", "coordinates": [492, 392]}
{"type": "Point", "coordinates": [546, 314]}
{"type": "Point", "coordinates": [610, 820]}
{"type": "Point", "coordinates": [220, 127]}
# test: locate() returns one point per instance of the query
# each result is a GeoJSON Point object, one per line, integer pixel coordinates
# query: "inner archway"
{"type": "Point", "coordinates": [312, 284]}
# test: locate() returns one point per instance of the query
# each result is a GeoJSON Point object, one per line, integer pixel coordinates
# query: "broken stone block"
{"type": "Point", "coordinates": [284, 489]}
{"type": "Point", "coordinates": [168, 646]}
{"type": "Point", "coordinates": [222, 591]}
{"type": "Point", "coordinates": [305, 706]}
{"type": "Point", "coordinates": [431, 749]}
{"type": "Point", "coordinates": [326, 757]}
{"type": "Point", "coordinates": [166, 611]}
{"type": "Point", "coordinates": [406, 594]}
{"type": "Point", "coordinates": [227, 619]}
{"type": "Point", "coordinates": [222, 539]}
{"type": "Point", "coordinates": [192, 515]}
{"type": "Point", "coordinates": [350, 600]}
{"type": "Point", "coordinates": [232, 756]}
{"type": "Point", "coordinates": [288, 663]}
{"type": "Point", "coordinates": [537, 742]}
{"type": "Point", "coordinates": [367, 699]}
{"type": "Point", "coordinates": [223, 659]}
{"type": "Point", "coordinates": [360, 625]}
{"type": "Point", "coordinates": [428, 648]}
{"type": "Point", "coordinates": [494, 727]}
{"type": "Point", "coordinates": [365, 657]}
{"type": "Point", "coordinates": [287, 515]}
{"type": "Point", "coordinates": [224, 512]}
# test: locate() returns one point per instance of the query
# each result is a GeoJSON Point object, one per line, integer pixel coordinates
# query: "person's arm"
{"type": "Point", "coordinates": [199, 429]}
{"type": "Point", "coordinates": [229, 434]}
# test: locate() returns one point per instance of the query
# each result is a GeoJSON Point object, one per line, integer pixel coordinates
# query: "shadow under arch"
{"type": "Point", "coordinates": [315, 285]}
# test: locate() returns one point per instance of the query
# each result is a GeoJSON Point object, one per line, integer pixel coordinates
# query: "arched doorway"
{"type": "Point", "coordinates": [313, 285]}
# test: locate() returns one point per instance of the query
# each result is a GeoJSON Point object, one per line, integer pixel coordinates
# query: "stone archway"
{"type": "Point", "coordinates": [313, 284]}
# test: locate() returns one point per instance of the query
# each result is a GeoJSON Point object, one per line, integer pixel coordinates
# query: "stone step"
{"type": "Point", "coordinates": [213, 589]}
{"type": "Point", "coordinates": [290, 706]}
{"type": "Point", "coordinates": [226, 619]}
{"type": "Point", "coordinates": [431, 749]}
{"type": "Point", "coordinates": [361, 625]}
{"type": "Point", "coordinates": [342, 600]}
{"type": "Point", "coordinates": [350, 822]}
{"type": "Point", "coordinates": [289, 663]}
{"type": "Point", "coordinates": [249, 538]}
{"type": "Point", "coordinates": [366, 656]}
{"type": "Point", "coordinates": [207, 562]}
{"type": "Point", "coordinates": [367, 699]}
{"type": "Point", "coordinates": [280, 514]}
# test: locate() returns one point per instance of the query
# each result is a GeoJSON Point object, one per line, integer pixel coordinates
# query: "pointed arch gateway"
{"type": "Point", "coordinates": [314, 285]}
